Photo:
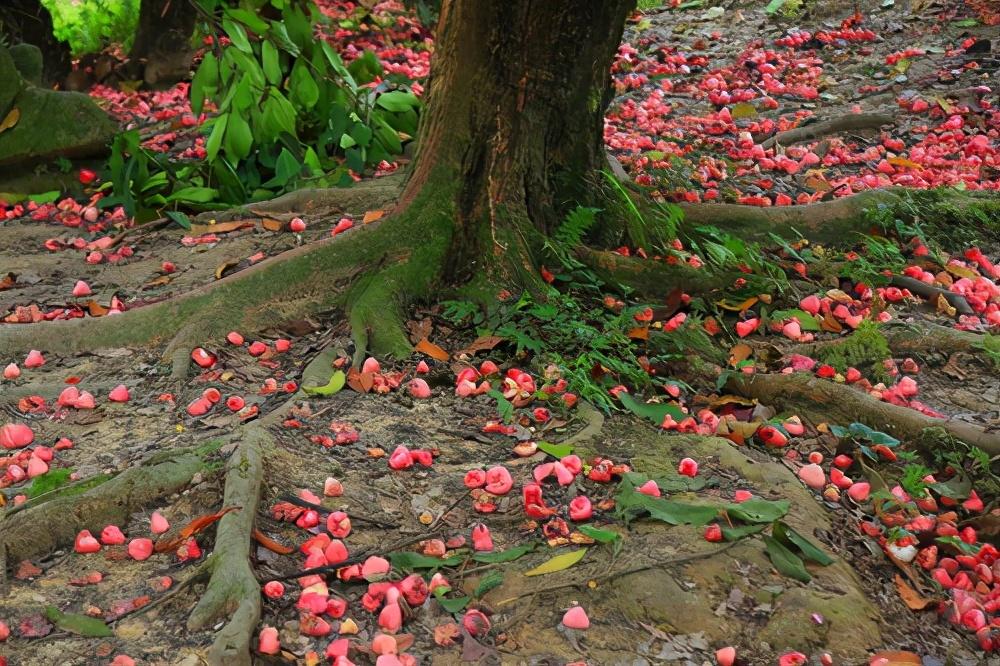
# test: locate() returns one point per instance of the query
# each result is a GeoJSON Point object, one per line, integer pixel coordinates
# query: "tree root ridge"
{"type": "Point", "coordinates": [232, 589]}
{"type": "Point", "coordinates": [45, 526]}
{"type": "Point", "coordinates": [822, 400]}
{"type": "Point", "coordinates": [849, 123]}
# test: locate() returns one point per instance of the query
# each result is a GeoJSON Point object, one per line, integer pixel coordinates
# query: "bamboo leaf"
{"type": "Point", "coordinates": [558, 563]}
{"type": "Point", "coordinates": [336, 383]}
{"type": "Point", "coordinates": [81, 625]}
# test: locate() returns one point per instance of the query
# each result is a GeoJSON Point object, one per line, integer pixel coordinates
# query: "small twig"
{"type": "Point", "coordinates": [451, 507]}
{"type": "Point", "coordinates": [319, 508]}
{"type": "Point", "coordinates": [199, 574]}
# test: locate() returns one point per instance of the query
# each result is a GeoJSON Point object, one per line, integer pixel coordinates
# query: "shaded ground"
{"type": "Point", "coordinates": [645, 605]}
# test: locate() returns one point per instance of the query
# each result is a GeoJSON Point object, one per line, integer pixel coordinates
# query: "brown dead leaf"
{"type": "Point", "coordinates": [944, 307]}
{"type": "Point", "coordinates": [419, 329]}
{"type": "Point", "coordinates": [830, 323]}
{"type": "Point", "coordinates": [840, 296]}
{"type": "Point", "coordinates": [739, 353]}
{"type": "Point", "coordinates": [10, 119]}
{"type": "Point", "coordinates": [425, 346]}
{"type": "Point", "coordinates": [738, 307]}
{"type": "Point", "coordinates": [8, 281]}
{"type": "Point", "coordinates": [270, 224]}
{"type": "Point", "coordinates": [225, 269]}
{"type": "Point", "coordinates": [639, 333]}
{"type": "Point", "coordinates": [962, 271]}
{"type": "Point", "coordinates": [362, 382]}
{"type": "Point", "coordinates": [96, 309]}
{"type": "Point", "coordinates": [372, 216]}
{"type": "Point", "coordinates": [815, 180]}
{"type": "Point", "coordinates": [445, 634]}
{"type": "Point", "coordinates": [903, 162]}
{"type": "Point", "coordinates": [913, 599]}
{"type": "Point", "coordinates": [736, 431]}
{"type": "Point", "coordinates": [724, 400]}
{"type": "Point", "coordinates": [161, 281]}
{"type": "Point", "coordinates": [896, 658]}
{"type": "Point", "coordinates": [220, 227]}
{"type": "Point", "coordinates": [271, 544]}
{"type": "Point", "coordinates": [484, 343]}
{"type": "Point", "coordinates": [191, 529]}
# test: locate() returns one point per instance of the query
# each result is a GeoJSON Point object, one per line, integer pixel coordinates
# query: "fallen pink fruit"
{"type": "Point", "coordinates": [727, 656]}
{"type": "Point", "coordinates": [859, 491]}
{"type": "Point", "coordinates": [199, 407]}
{"type": "Point", "coordinates": [419, 388]}
{"type": "Point", "coordinates": [423, 368]}
{"type": "Point", "coordinates": [235, 338]}
{"type": "Point", "coordinates": [140, 549]}
{"type": "Point", "coordinates": [688, 467]}
{"type": "Point", "coordinates": [401, 458]}
{"type": "Point", "coordinates": [813, 476]}
{"type": "Point", "coordinates": [86, 543]}
{"type": "Point", "coordinates": [11, 371]}
{"type": "Point", "coordinates": [123, 660]}
{"type": "Point", "coordinates": [476, 623]}
{"type": "Point", "coordinates": [16, 436]}
{"type": "Point", "coordinates": [281, 345]}
{"type": "Point", "coordinates": [332, 487]}
{"type": "Point", "coordinates": [576, 618]}
{"type": "Point", "coordinates": [81, 289]}
{"type": "Point", "coordinates": [375, 567]}
{"type": "Point", "coordinates": [112, 536]}
{"type": "Point", "coordinates": [391, 616]}
{"type": "Point", "coordinates": [235, 403]}
{"type": "Point", "coordinates": [158, 524]}
{"type": "Point", "coordinates": [649, 488]}
{"type": "Point", "coordinates": [338, 524]}
{"type": "Point", "coordinates": [202, 358]}
{"type": "Point", "coordinates": [580, 508]}
{"type": "Point", "coordinates": [498, 480]}
{"type": "Point", "coordinates": [297, 225]}
{"type": "Point", "coordinates": [267, 642]}
{"type": "Point", "coordinates": [34, 359]}
{"type": "Point", "coordinates": [482, 540]}
{"type": "Point", "coordinates": [119, 394]}
{"type": "Point", "coordinates": [36, 467]}
{"type": "Point", "coordinates": [745, 328]}
{"type": "Point", "coordinates": [371, 365]}
{"type": "Point", "coordinates": [257, 348]}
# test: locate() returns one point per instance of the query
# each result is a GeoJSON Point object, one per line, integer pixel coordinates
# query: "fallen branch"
{"type": "Point", "coordinates": [852, 122]}
{"type": "Point", "coordinates": [822, 400]}
{"type": "Point", "coordinates": [931, 293]}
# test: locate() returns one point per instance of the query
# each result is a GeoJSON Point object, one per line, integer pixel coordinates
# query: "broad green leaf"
{"type": "Point", "coordinates": [205, 83]}
{"type": "Point", "coordinates": [237, 34]}
{"type": "Point", "coordinates": [82, 625]}
{"type": "Point", "coordinates": [504, 406]}
{"type": "Point", "coordinates": [957, 487]}
{"type": "Point", "coordinates": [397, 100]}
{"type": "Point", "coordinates": [336, 383]}
{"type": "Point", "coordinates": [785, 561]}
{"type": "Point", "coordinates": [862, 431]}
{"type": "Point", "coordinates": [488, 582]}
{"type": "Point", "coordinates": [455, 605]}
{"type": "Point", "coordinates": [630, 502]}
{"type": "Point", "coordinates": [599, 535]}
{"type": "Point", "coordinates": [774, 6]}
{"type": "Point", "coordinates": [809, 550]}
{"type": "Point", "coordinates": [737, 533]}
{"type": "Point", "coordinates": [302, 87]}
{"type": "Point", "coordinates": [48, 482]}
{"type": "Point", "coordinates": [249, 19]}
{"type": "Point", "coordinates": [654, 412]}
{"type": "Point", "coordinates": [408, 561]}
{"type": "Point", "coordinates": [271, 62]}
{"type": "Point", "coordinates": [807, 322]}
{"type": "Point", "coordinates": [555, 450]}
{"type": "Point", "coordinates": [757, 510]}
{"type": "Point", "coordinates": [508, 555]}
{"type": "Point", "coordinates": [194, 195]}
{"type": "Point", "coordinates": [955, 542]}
{"type": "Point", "coordinates": [215, 138]}
{"type": "Point", "coordinates": [45, 197]}
{"type": "Point", "coordinates": [558, 563]}
{"type": "Point", "coordinates": [179, 218]}
{"type": "Point", "coordinates": [338, 66]}
{"type": "Point", "coordinates": [239, 137]}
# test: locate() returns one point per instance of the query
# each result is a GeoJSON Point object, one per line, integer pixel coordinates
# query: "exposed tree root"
{"type": "Point", "coordinates": [850, 123]}
{"type": "Point", "coordinates": [233, 591]}
{"type": "Point", "coordinates": [904, 339]}
{"type": "Point", "coordinates": [822, 400]}
{"type": "Point", "coordinates": [932, 293]}
{"type": "Point", "coordinates": [651, 278]}
{"type": "Point", "coordinates": [50, 522]}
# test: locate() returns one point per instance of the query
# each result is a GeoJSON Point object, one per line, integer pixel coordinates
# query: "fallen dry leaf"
{"type": "Point", "coordinates": [896, 658]}
{"type": "Point", "coordinates": [739, 353]}
{"type": "Point", "coordinates": [191, 529]}
{"type": "Point", "coordinates": [10, 119]}
{"type": "Point", "coordinates": [220, 228]}
{"type": "Point", "coordinates": [830, 323]}
{"type": "Point", "coordinates": [425, 346]}
{"type": "Point", "coordinates": [913, 599]}
{"type": "Point", "coordinates": [484, 343]}
{"type": "Point", "coordinates": [225, 269]}
{"type": "Point", "coordinates": [944, 307]}
{"type": "Point", "coordinates": [271, 224]}
{"type": "Point", "coordinates": [8, 281]}
{"type": "Point", "coordinates": [362, 382]}
{"type": "Point", "coordinates": [639, 333]}
{"type": "Point", "coordinates": [271, 544]}
{"type": "Point", "coordinates": [372, 216]}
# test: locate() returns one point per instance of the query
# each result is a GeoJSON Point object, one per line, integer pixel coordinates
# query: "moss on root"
{"type": "Point", "coordinates": [865, 349]}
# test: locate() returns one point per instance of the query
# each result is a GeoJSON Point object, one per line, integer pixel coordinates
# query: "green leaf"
{"type": "Point", "coordinates": [48, 482]}
{"type": "Point", "coordinates": [205, 82]}
{"type": "Point", "coordinates": [785, 561]}
{"type": "Point", "coordinates": [809, 550]}
{"type": "Point", "coordinates": [957, 487]}
{"type": "Point", "coordinates": [271, 62]}
{"type": "Point", "coordinates": [504, 406]}
{"type": "Point", "coordinates": [336, 383]}
{"type": "Point", "coordinates": [249, 19]}
{"type": "Point", "coordinates": [861, 431]}
{"type": "Point", "coordinates": [179, 218]}
{"type": "Point", "coordinates": [338, 66]}
{"type": "Point", "coordinates": [194, 195]}
{"type": "Point", "coordinates": [237, 34]}
{"type": "Point", "coordinates": [757, 510]}
{"type": "Point", "coordinates": [774, 6]}
{"type": "Point", "coordinates": [488, 582]}
{"type": "Point", "coordinates": [961, 546]}
{"type": "Point", "coordinates": [397, 101]}
{"type": "Point", "coordinates": [45, 197]}
{"type": "Point", "coordinates": [215, 138]}
{"type": "Point", "coordinates": [741, 532]}
{"type": "Point", "coordinates": [82, 625]}
{"type": "Point", "coordinates": [558, 563]}
{"type": "Point", "coordinates": [652, 411]}
{"type": "Point", "coordinates": [807, 322]}
{"type": "Point", "coordinates": [239, 137]}
{"type": "Point", "coordinates": [629, 502]}
{"type": "Point", "coordinates": [455, 605]}
{"type": "Point", "coordinates": [508, 555]}
{"type": "Point", "coordinates": [555, 450]}
{"type": "Point", "coordinates": [408, 561]}
{"type": "Point", "coordinates": [302, 87]}
{"type": "Point", "coordinates": [599, 535]}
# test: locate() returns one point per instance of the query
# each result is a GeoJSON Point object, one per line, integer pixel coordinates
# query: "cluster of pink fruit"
{"type": "Point", "coordinates": [139, 548]}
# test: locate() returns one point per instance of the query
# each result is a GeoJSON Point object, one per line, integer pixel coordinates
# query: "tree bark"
{"type": "Point", "coordinates": [29, 21]}
{"type": "Point", "coordinates": [161, 50]}
{"type": "Point", "coordinates": [515, 118]}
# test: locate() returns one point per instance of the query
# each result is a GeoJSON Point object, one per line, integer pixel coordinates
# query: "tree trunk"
{"type": "Point", "coordinates": [162, 51]}
{"type": "Point", "coordinates": [515, 118]}
{"type": "Point", "coordinates": [28, 21]}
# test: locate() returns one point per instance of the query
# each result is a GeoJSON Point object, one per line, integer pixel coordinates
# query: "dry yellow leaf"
{"type": "Point", "coordinates": [10, 119]}
{"type": "Point", "coordinates": [371, 216]}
